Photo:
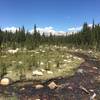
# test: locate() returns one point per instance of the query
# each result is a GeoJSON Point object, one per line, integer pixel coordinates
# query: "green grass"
{"type": "Point", "coordinates": [8, 98]}
{"type": "Point", "coordinates": [53, 58]}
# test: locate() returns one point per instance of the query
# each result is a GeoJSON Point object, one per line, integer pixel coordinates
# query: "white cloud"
{"type": "Point", "coordinates": [12, 29]}
{"type": "Point", "coordinates": [90, 25]}
{"type": "Point", "coordinates": [48, 30]}
{"type": "Point", "coordinates": [75, 29]}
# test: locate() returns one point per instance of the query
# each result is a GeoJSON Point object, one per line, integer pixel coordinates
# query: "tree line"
{"type": "Point", "coordinates": [87, 38]}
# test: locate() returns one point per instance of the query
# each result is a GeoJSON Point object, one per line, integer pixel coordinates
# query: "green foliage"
{"type": "Point", "coordinates": [3, 69]}
{"type": "Point", "coordinates": [88, 37]}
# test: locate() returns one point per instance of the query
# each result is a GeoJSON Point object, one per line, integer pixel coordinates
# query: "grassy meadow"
{"type": "Point", "coordinates": [51, 61]}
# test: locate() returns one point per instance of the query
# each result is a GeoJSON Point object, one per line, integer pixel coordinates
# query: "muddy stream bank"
{"type": "Point", "coordinates": [84, 85]}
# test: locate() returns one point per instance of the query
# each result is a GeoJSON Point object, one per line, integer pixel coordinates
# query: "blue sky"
{"type": "Point", "coordinates": [60, 14]}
